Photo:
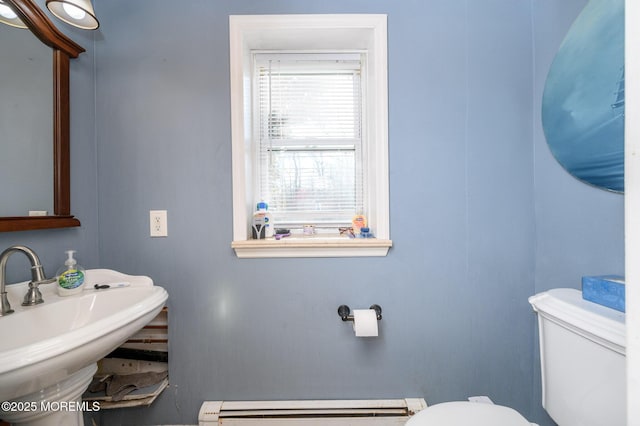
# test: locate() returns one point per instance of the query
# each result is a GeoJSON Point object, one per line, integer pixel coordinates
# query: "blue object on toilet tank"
{"type": "Point", "coordinates": [606, 290]}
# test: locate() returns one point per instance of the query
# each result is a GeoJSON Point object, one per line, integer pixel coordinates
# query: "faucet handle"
{"type": "Point", "coordinates": [33, 296]}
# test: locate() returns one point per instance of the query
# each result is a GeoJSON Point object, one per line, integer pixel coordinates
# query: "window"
{"type": "Point", "coordinates": [309, 111]}
{"type": "Point", "coordinates": [309, 130]}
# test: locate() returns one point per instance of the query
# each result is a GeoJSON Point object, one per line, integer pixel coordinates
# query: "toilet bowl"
{"type": "Point", "coordinates": [463, 413]}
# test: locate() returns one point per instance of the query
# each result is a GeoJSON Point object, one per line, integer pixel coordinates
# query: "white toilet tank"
{"type": "Point", "coordinates": [582, 356]}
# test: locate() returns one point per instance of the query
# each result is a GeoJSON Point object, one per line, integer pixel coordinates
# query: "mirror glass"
{"type": "Point", "coordinates": [62, 49]}
{"type": "Point", "coordinates": [26, 120]}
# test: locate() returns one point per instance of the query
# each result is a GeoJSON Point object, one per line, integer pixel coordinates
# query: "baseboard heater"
{"type": "Point", "coordinates": [378, 412]}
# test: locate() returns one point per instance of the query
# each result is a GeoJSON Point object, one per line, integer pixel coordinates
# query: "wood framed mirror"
{"type": "Point", "coordinates": [63, 49]}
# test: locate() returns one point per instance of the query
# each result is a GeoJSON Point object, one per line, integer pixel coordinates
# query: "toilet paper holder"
{"type": "Point", "coordinates": [345, 312]}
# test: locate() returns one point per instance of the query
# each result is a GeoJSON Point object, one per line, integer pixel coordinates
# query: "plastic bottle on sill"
{"type": "Point", "coordinates": [365, 232]}
{"type": "Point", "coordinates": [262, 225]}
{"type": "Point", "coordinates": [358, 222]}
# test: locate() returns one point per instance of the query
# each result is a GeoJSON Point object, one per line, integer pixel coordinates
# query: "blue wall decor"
{"type": "Point", "coordinates": [583, 101]}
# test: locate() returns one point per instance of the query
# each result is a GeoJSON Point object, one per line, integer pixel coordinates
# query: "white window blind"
{"type": "Point", "coordinates": [309, 120]}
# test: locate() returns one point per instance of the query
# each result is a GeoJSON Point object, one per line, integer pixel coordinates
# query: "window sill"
{"type": "Point", "coordinates": [318, 246]}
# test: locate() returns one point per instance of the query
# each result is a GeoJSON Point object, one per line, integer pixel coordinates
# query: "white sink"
{"type": "Point", "coordinates": [55, 345]}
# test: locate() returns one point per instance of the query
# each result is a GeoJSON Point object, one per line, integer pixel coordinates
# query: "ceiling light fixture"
{"type": "Point", "coordinates": [9, 17]}
{"type": "Point", "coordinates": [78, 13]}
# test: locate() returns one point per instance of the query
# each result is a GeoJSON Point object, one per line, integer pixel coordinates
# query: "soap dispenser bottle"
{"type": "Point", "coordinates": [70, 276]}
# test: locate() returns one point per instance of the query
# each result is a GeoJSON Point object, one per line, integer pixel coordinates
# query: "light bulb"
{"type": "Point", "coordinates": [74, 11]}
{"type": "Point", "coordinates": [7, 12]}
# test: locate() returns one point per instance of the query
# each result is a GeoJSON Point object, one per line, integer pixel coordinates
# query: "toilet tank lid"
{"type": "Point", "coordinates": [566, 307]}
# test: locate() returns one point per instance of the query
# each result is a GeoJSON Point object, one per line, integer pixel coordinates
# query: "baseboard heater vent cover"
{"type": "Point", "coordinates": [370, 412]}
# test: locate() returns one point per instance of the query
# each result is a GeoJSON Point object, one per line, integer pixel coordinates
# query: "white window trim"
{"type": "Point", "coordinates": [310, 32]}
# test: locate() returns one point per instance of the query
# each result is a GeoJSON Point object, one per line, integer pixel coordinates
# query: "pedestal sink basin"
{"type": "Point", "coordinates": [48, 352]}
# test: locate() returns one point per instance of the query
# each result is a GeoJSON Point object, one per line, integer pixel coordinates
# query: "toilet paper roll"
{"type": "Point", "coordinates": [365, 322]}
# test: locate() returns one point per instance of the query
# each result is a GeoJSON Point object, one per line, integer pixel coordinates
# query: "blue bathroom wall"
{"type": "Point", "coordinates": [482, 217]}
{"type": "Point", "coordinates": [51, 244]}
{"type": "Point", "coordinates": [268, 329]}
{"type": "Point", "coordinates": [454, 287]}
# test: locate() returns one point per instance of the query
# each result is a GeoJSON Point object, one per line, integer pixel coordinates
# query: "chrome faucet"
{"type": "Point", "coordinates": [33, 296]}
